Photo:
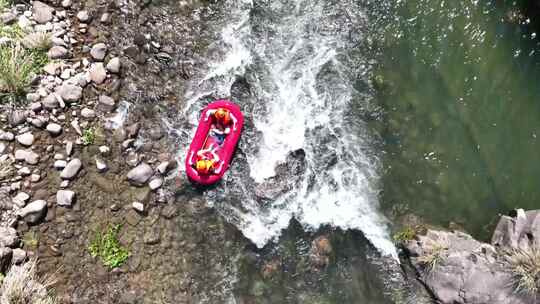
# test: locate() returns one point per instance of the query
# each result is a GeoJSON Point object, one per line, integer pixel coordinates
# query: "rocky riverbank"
{"type": "Point", "coordinates": [456, 268]}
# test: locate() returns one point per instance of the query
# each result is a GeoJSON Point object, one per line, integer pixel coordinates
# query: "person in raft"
{"type": "Point", "coordinates": [207, 159]}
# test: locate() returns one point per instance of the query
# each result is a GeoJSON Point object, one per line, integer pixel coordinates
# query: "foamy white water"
{"type": "Point", "coordinates": [302, 100]}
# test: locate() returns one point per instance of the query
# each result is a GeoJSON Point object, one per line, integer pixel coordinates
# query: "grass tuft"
{"type": "Point", "coordinates": [107, 247]}
{"type": "Point", "coordinates": [22, 286]}
{"type": "Point", "coordinates": [525, 268]}
{"type": "Point", "coordinates": [37, 41]}
{"type": "Point", "coordinates": [407, 234]}
{"type": "Point", "coordinates": [89, 136]}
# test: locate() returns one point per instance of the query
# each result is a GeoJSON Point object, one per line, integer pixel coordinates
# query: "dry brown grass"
{"type": "Point", "coordinates": [21, 285]}
{"type": "Point", "coordinates": [525, 268]}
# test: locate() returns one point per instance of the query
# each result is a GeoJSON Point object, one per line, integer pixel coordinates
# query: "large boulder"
{"type": "Point", "coordinates": [518, 230]}
{"type": "Point", "coordinates": [458, 269]}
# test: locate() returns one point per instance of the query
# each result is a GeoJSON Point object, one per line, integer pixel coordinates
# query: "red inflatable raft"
{"type": "Point", "coordinates": [203, 140]}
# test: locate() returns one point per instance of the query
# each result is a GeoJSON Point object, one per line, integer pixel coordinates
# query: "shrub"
{"type": "Point", "coordinates": [407, 234]}
{"type": "Point", "coordinates": [106, 246]}
{"type": "Point", "coordinates": [89, 136]}
{"type": "Point", "coordinates": [22, 286]}
{"type": "Point", "coordinates": [525, 268]}
{"type": "Point", "coordinates": [433, 257]}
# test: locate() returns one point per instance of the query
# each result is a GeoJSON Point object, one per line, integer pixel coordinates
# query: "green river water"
{"type": "Point", "coordinates": [459, 92]}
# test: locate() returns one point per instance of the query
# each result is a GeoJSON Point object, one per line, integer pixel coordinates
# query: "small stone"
{"type": "Point", "coordinates": [106, 103]}
{"type": "Point", "coordinates": [71, 169]}
{"type": "Point", "coordinates": [54, 129]}
{"type": "Point", "coordinates": [101, 165]}
{"type": "Point", "coordinates": [38, 122]}
{"type": "Point", "coordinates": [76, 127]}
{"type": "Point", "coordinates": [64, 184]}
{"type": "Point", "coordinates": [70, 92]}
{"type": "Point", "coordinates": [88, 113]}
{"type": "Point", "coordinates": [69, 148]}
{"type": "Point", "coordinates": [66, 3]}
{"type": "Point", "coordinates": [139, 175]}
{"type": "Point", "coordinates": [36, 106]}
{"type": "Point", "coordinates": [83, 16]}
{"type": "Point", "coordinates": [139, 207]}
{"type": "Point", "coordinates": [165, 167]}
{"type": "Point", "coordinates": [8, 18]}
{"type": "Point", "coordinates": [59, 156]}
{"type": "Point", "coordinates": [3, 148]}
{"type": "Point", "coordinates": [155, 183]}
{"type": "Point", "coordinates": [34, 178]}
{"type": "Point", "coordinates": [8, 237]}
{"type": "Point", "coordinates": [41, 12]}
{"type": "Point", "coordinates": [66, 74]}
{"type": "Point", "coordinates": [65, 198]}
{"type": "Point", "coordinates": [21, 154]}
{"type": "Point", "coordinates": [98, 73]}
{"type": "Point", "coordinates": [24, 171]}
{"type": "Point", "coordinates": [58, 52]}
{"type": "Point", "coordinates": [50, 102]}
{"type": "Point", "coordinates": [18, 257]}
{"type": "Point", "coordinates": [104, 150]}
{"type": "Point", "coordinates": [20, 199]}
{"type": "Point", "coordinates": [17, 118]}
{"type": "Point", "coordinates": [34, 212]}
{"type": "Point", "coordinates": [60, 164]}
{"type": "Point", "coordinates": [114, 65]}
{"type": "Point", "coordinates": [99, 51]}
{"type": "Point", "coordinates": [6, 136]}
{"type": "Point", "coordinates": [26, 139]}
{"type": "Point", "coordinates": [105, 18]}
{"type": "Point", "coordinates": [52, 68]}
{"type": "Point", "coordinates": [31, 158]}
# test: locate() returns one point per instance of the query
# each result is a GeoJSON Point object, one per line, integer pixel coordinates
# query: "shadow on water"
{"type": "Point", "coordinates": [461, 111]}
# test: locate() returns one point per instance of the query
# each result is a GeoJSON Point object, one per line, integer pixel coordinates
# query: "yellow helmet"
{"type": "Point", "coordinates": [204, 166]}
{"type": "Point", "coordinates": [223, 116]}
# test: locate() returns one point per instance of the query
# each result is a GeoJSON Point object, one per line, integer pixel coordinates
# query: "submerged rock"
{"type": "Point", "coordinates": [65, 198]}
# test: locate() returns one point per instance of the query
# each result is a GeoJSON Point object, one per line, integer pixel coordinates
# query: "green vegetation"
{"type": "Point", "coordinates": [30, 240]}
{"type": "Point", "coordinates": [525, 267]}
{"type": "Point", "coordinates": [89, 136]}
{"type": "Point", "coordinates": [18, 64]}
{"type": "Point", "coordinates": [433, 257]}
{"type": "Point", "coordinates": [407, 234]}
{"type": "Point", "coordinates": [107, 247]}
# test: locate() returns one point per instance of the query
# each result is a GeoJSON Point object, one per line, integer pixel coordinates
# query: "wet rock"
{"type": "Point", "coordinates": [71, 169]}
{"type": "Point", "coordinates": [58, 52]}
{"type": "Point", "coordinates": [70, 92]}
{"type": "Point", "coordinates": [34, 212]}
{"type": "Point", "coordinates": [139, 207]}
{"type": "Point", "coordinates": [5, 258]}
{"type": "Point", "coordinates": [8, 237]}
{"type": "Point", "coordinates": [165, 167]}
{"type": "Point", "coordinates": [17, 118]}
{"type": "Point", "coordinates": [54, 129]}
{"type": "Point", "coordinates": [114, 65]}
{"type": "Point", "coordinates": [41, 12]}
{"type": "Point", "coordinates": [106, 103]}
{"type": "Point", "coordinates": [155, 183]}
{"type": "Point", "coordinates": [26, 139]}
{"type": "Point", "coordinates": [19, 256]}
{"type": "Point", "coordinates": [139, 175]}
{"type": "Point", "coordinates": [65, 198]}
{"type": "Point", "coordinates": [98, 73]}
{"type": "Point", "coordinates": [99, 51]}
{"type": "Point", "coordinates": [50, 102]}
{"type": "Point", "coordinates": [169, 211]}
{"type": "Point", "coordinates": [104, 150]}
{"type": "Point", "coordinates": [83, 16]}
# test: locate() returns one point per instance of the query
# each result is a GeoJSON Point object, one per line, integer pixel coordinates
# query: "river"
{"type": "Point", "coordinates": [358, 114]}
